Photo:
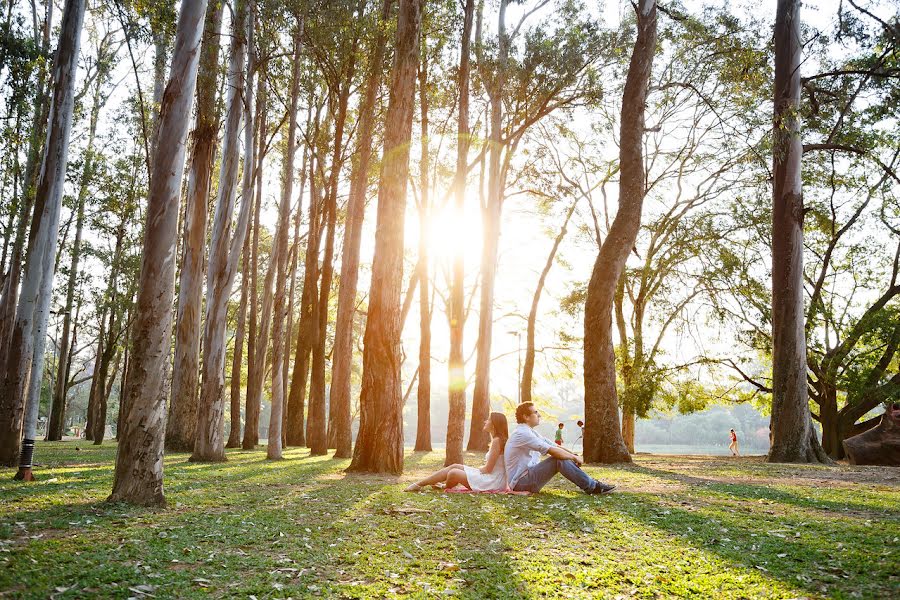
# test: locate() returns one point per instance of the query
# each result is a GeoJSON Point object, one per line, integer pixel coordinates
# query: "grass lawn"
{"type": "Point", "coordinates": [698, 527]}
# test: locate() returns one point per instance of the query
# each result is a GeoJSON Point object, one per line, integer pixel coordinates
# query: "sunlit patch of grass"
{"type": "Point", "coordinates": [301, 527]}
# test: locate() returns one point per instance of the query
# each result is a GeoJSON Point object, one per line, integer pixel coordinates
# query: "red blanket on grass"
{"type": "Point", "coordinates": [467, 491]}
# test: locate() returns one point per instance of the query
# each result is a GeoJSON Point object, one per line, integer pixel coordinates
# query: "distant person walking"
{"type": "Point", "coordinates": [559, 436]}
{"type": "Point", "coordinates": [733, 446]}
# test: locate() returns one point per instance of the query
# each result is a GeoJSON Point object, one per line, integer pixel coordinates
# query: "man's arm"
{"type": "Point", "coordinates": [563, 454]}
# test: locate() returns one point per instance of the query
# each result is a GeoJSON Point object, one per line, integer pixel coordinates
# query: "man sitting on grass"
{"type": "Point", "coordinates": [525, 445]}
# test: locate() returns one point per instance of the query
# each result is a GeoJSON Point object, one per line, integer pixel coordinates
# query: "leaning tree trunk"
{"type": "Point", "coordinates": [280, 259]}
{"type": "Point", "coordinates": [456, 367]}
{"type": "Point", "coordinates": [602, 434]}
{"type": "Point", "coordinates": [139, 462]}
{"type": "Point", "coordinates": [528, 365]}
{"type": "Point", "coordinates": [181, 426]}
{"type": "Point", "coordinates": [793, 436]}
{"type": "Point", "coordinates": [379, 445]}
{"type": "Point", "coordinates": [346, 308]}
{"type": "Point", "coordinates": [224, 252]}
{"type": "Point", "coordinates": [481, 398]}
{"type": "Point", "coordinates": [423, 392]}
{"type": "Point", "coordinates": [19, 394]}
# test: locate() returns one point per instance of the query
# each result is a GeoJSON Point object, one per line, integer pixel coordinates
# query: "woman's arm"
{"type": "Point", "coordinates": [492, 456]}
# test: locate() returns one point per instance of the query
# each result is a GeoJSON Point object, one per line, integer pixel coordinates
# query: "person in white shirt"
{"type": "Point", "coordinates": [490, 477]}
{"type": "Point", "coordinates": [525, 472]}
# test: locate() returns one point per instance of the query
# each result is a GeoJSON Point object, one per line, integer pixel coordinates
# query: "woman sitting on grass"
{"type": "Point", "coordinates": [492, 476]}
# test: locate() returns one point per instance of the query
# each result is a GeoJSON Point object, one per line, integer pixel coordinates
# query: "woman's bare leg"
{"type": "Point", "coordinates": [436, 477]}
{"type": "Point", "coordinates": [457, 477]}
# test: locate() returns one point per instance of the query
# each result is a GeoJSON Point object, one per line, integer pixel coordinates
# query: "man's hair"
{"type": "Point", "coordinates": [523, 410]}
{"type": "Point", "coordinates": [561, 425]}
{"type": "Point", "coordinates": [580, 423]}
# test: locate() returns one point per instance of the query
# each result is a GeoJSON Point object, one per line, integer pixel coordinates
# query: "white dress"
{"type": "Point", "coordinates": [495, 480]}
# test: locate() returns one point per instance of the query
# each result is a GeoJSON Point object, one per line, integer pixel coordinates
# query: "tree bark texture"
{"type": "Point", "coordinates": [379, 446]}
{"type": "Point", "coordinates": [139, 461]}
{"type": "Point", "coordinates": [21, 377]}
{"type": "Point", "coordinates": [793, 437]}
{"type": "Point", "coordinates": [603, 440]}
{"type": "Point", "coordinates": [181, 426]}
{"type": "Point", "coordinates": [359, 179]}
{"type": "Point", "coordinates": [224, 251]}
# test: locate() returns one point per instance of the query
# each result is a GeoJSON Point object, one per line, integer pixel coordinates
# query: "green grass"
{"type": "Point", "coordinates": [677, 527]}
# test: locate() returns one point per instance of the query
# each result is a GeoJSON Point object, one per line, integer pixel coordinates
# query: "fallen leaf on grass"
{"type": "Point", "coordinates": [404, 510]}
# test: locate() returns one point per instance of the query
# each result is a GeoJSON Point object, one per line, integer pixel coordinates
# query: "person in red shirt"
{"type": "Point", "coordinates": [733, 446]}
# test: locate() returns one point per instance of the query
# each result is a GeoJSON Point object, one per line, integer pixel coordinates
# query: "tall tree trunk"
{"type": "Point", "coordinates": [234, 433]}
{"type": "Point", "coordinates": [528, 365]}
{"type": "Point", "coordinates": [10, 291]}
{"type": "Point", "coordinates": [423, 392]}
{"type": "Point", "coordinates": [251, 410]}
{"type": "Point", "coordinates": [481, 399]}
{"type": "Point", "coordinates": [346, 308]}
{"type": "Point", "coordinates": [379, 446]}
{"type": "Point", "coordinates": [224, 250]}
{"type": "Point", "coordinates": [296, 433]}
{"type": "Point", "coordinates": [139, 465]}
{"type": "Point", "coordinates": [290, 413]}
{"type": "Point", "coordinates": [280, 259]}
{"type": "Point", "coordinates": [317, 435]}
{"type": "Point", "coordinates": [793, 436]}
{"type": "Point", "coordinates": [456, 367]}
{"type": "Point", "coordinates": [603, 436]}
{"type": "Point", "coordinates": [101, 396]}
{"type": "Point", "coordinates": [21, 383]}
{"type": "Point", "coordinates": [627, 364]}
{"type": "Point", "coordinates": [58, 410]}
{"type": "Point", "coordinates": [181, 426]}
{"type": "Point", "coordinates": [161, 40]}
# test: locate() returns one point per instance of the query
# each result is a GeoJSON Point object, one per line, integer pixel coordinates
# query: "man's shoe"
{"type": "Point", "coordinates": [602, 488]}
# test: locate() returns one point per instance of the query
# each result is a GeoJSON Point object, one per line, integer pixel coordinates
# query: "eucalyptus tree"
{"type": "Point", "coordinates": [99, 69]}
{"type": "Point", "coordinates": [139, 466]}
{"type": "Point", "coordinates": [181, 425]}
{"type": "Point", "coordinates": [339, 402]}
{"type": "Point", "coordinates": [338, 66]}
{"type": "Point", "coordinates": [23, 369]}
{"type": "Point", "coordinates": [603, 437]}
{"type": "Point", "coordinates": [534, 72]}
{"type": "Point", "coordinates": [456, 375]}
{"type": "Point", "coordinates": [29, 74]}
{"type": "Point", "coordinates": [850, 233]}
{"type": "Point", "coordinates": [793, 436]}
{"type": "Point", "coordinates": [379, 444]}
{"type": "Point", "coordinates": [225, 247]}
{"type": "Point", "coordinates": [280, 256]}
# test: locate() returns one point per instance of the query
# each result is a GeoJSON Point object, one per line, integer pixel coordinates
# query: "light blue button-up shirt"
{"type": "Point", "coordinates": [523, 450]}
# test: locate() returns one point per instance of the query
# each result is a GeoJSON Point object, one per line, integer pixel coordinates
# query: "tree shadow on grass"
{"type": "Point", "coordinates": [756, 492]}
{"type": "Point", "coordinates": [801, 550]}
{"type": "Point", "coordinates": [420, 544]}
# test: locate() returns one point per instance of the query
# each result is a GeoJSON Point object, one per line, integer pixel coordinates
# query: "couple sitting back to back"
{"type": "Point", "coordinates": [513, 461]}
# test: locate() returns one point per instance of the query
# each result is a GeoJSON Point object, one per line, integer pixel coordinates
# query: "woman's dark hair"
{"type": "Point", "coordinates": [523, 410]}
{"type": "Point", "coordinates": [501, 429]}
